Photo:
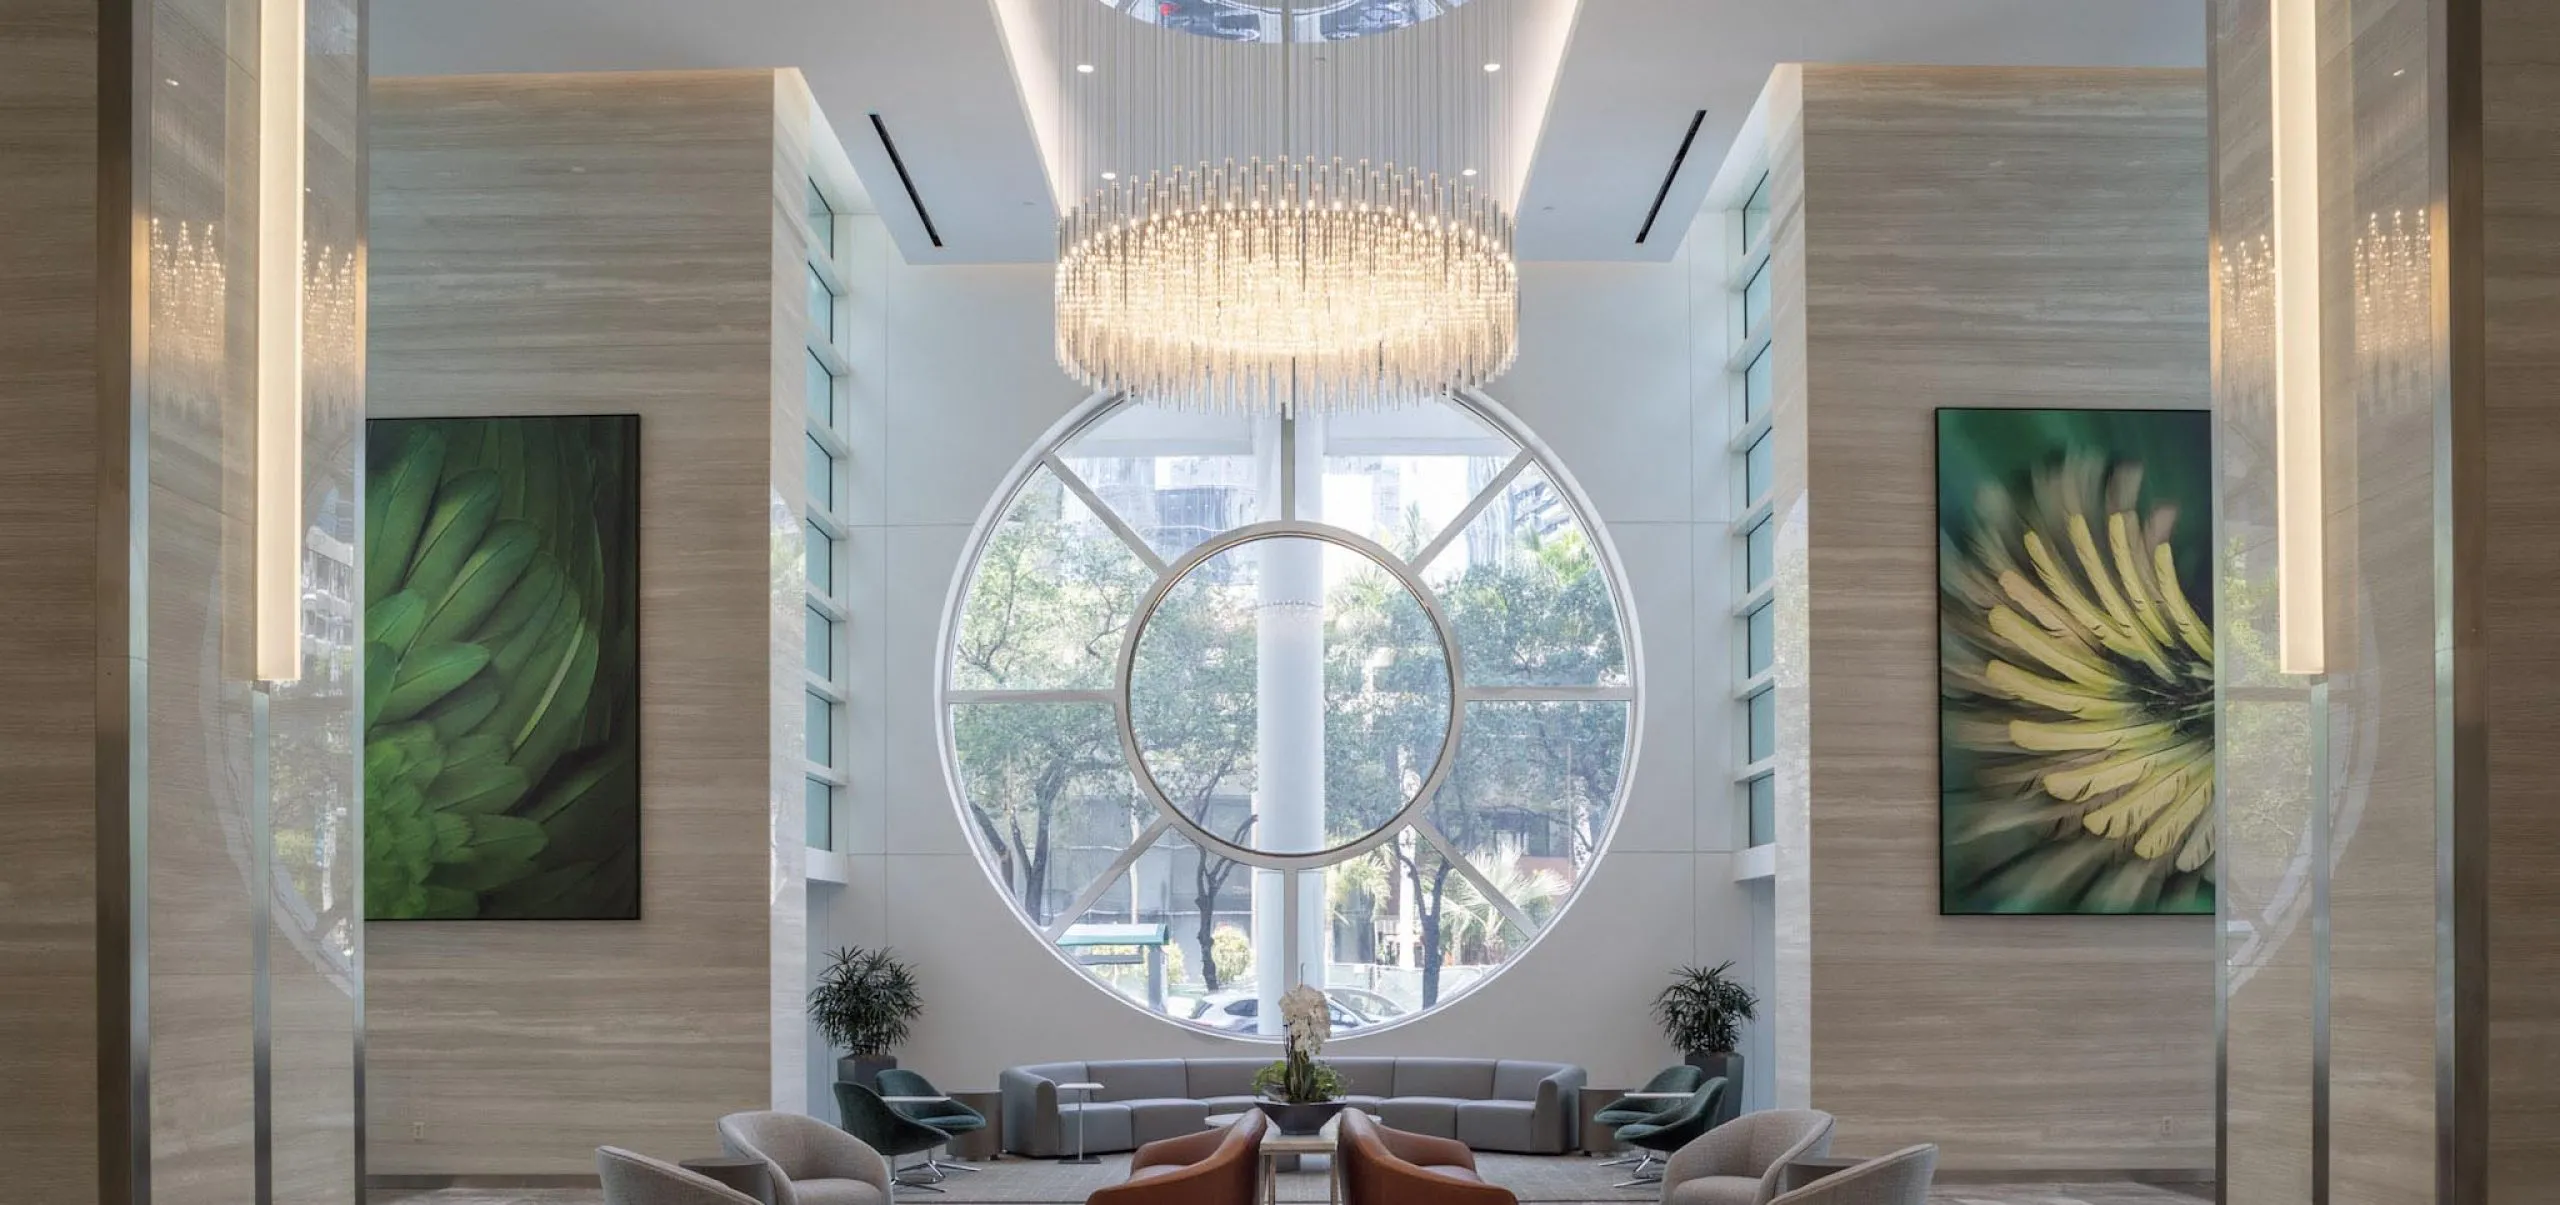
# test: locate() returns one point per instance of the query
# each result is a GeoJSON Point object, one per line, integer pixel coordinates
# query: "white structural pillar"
{"type": "Point", "coordinates": [1288, 798]}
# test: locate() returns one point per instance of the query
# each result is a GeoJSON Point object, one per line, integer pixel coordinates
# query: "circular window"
{"type": "Point", "coordinates": [1234, 703]}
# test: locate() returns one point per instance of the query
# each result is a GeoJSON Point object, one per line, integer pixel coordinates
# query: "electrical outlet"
{"type": "Point", "coordinates": [417, 1131]}
{"type": "Point", "coordinates": [2167, 1126]}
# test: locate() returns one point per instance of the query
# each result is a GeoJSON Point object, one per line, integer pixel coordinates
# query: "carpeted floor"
{"type": "Point", "coordinates": [1562, 1181]}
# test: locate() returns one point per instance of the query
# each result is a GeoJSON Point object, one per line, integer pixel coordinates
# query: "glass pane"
{"type": "Point", "coordinates": [822, 308]}
{"type": "Point", "coordinates": [1759, 553]}
{"type": "Point", "coordinates": [821, 820]}
{"type": "Point", "coordinates": [822, 558]}
{"type": "Point", "coordinates": [1764, 726]}
{"type": "Point", "coordinates": [1342, 657]}
{"type": "Point", "coordinates": [1173, 933]}
{"type": "Point", "coordinates": [1175, 477]}
{"type": "Point", "coordinates": [1045, 786]}
{"type": "Point", "coordinates": [1763, 795]}
{"type": "Point", "coordinates": [1756, 466]}
{"type": "Point", "coordinates": [1759, 641]}
{"type": "Point", "coordinates": [822, 392]}
{"type": "Point", "coordinates": [821, 658]}
{"type": "Point", "coordinates": [820, 716]}
{"type": "Point", "coordinates": [1755, 215]}
{"type": "Point", "coordinates": [1400, 476]}
{"type": "Point", "coordinates": [822, 219]}
{"type": "Point", "coordinates": [1531, 793]}
{"type": "Point", "coordinates": [1052, 591]}
{"type": "Point", "coordinates": [1755, 301]}
{"type": "Point", "coordinates": [1410, 932]}
{"type": "Point", "coordinates": [822, 474]}
{"type": "Point", "coordinates": [1758, 383]}
{"type": "Point", "coordinates": [1526, 594]}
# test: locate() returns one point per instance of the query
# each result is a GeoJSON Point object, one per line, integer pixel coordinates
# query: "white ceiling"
{"type": "Point", "coordinates": [938, 74]}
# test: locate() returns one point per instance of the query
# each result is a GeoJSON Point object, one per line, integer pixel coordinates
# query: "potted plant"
{"type": "Point", "coordinates": [1702, 1013]}
{"type": "Point", "coordinates": [864, 1003]}
{"type": "Point", "coordinates": [1301, 1092]}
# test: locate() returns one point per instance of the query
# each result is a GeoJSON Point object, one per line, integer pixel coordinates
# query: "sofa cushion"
{"type": "Point", "coordinates": [1221, 1077]}
{"type": "Point", "coordinates": [1366, 1104]}
{"type": "Point", "coordinates": [1433, 1115]}
{"type": "Point", "coordinates": [1106, 1127]}
{"type": "Point", "coordinates": [1056, 1073]}
{"type": "Point", "coordinates": [1514, 1079]}
{"type": "Point", "coordinates": [1498, 1125]}
{"type": "Point", "coordinates": [1222, 1105]}
{"type": "Point", "coordinates": [1366, 1076]}
{"type": "Point", "coordinates": [1462, 1079]}
{"type": "Point", "coordinates": [1140, 1079]}
{"type": "Point", "coordinates": [1150, 1120]}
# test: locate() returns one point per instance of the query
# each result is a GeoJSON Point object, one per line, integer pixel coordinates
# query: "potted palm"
{"type": "Point", "coordinates": [864, 1003]}
{"type": "Point", "coordinates": [1301, 1092]}
{"type": "Point", "coordinates": [1702, 1012]}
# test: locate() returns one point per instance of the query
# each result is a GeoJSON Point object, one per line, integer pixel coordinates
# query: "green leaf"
{"type": "Point", "coordinates": [449, 834]}
{"type": "Point", "coordinates": [485, 870]}
{"type": "Point", "coordinates": [512, 836]}
{"type": "Point", "coordinates": [461, 712]}
{"type": "Point", "coordinates": [477, 747]}
{"type": "Point", "coordinates": [464, 510]}
{"type": "Point", "coordinates": [379, 663]}
{"type": "Point", "coordinates": [529, 603]}
{"type": "Point", "coordinates": [396, 507]}
{"type": "Point", "coordinates": [428, 673]}
{"type": "Point", "coordinates": [483, 582]}
{"type": "Point", "coordinates": [478, 788]}
{"type": "Point", "coordinates": [555, 722]}
{"type": "Point", "coordinates": [394, 621]}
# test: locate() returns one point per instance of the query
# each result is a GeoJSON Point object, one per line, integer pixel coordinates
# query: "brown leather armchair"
{"type": "Point", "coordinates": [1212, 1167]}
{"type": "Point", "coordinates": [1390, 1167]}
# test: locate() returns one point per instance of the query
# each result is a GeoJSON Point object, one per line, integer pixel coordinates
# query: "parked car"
{"type": "Point", "coordinates": [1240, 1012]}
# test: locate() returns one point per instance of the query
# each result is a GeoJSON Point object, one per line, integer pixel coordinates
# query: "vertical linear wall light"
{"type": "Point", "coordinates": [276, 550]}
{"type": "Point", "coordinates": [2294, 65]}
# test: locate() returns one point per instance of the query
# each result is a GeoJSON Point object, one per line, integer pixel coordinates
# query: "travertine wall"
{"type": "Point", "coordinates": [1967, 237]}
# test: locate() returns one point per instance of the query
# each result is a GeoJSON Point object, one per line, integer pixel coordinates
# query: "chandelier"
{"type": "Point", "coordinates": [1355, 266]}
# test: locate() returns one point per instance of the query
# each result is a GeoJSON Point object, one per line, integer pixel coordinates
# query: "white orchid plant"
{"type": "Point", "coordinates": [1300, 1077]}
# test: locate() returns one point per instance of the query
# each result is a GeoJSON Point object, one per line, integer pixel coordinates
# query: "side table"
{"type": "Point", "coordinates": [746, 1175]}
{"type": "Point", "coordinates": [1801, 1172]}
{"type": "Point", "coordinates": [1086, 1090]}
{"type": "Point", "coordinates": [982, 1145]}
{"type": "Point", "coordinates": [1597, 1139]}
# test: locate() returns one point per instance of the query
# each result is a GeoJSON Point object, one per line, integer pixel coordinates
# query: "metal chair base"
{"type": "Point", "coordinates": [1638, 1178]}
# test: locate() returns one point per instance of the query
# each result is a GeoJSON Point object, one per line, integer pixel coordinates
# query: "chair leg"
{"type": "Point", "coordinates": [1638, 1178]}
{"type": "Point", "coordinates": [904, 1177]}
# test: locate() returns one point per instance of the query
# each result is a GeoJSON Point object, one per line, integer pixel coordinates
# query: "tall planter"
{"type": "Point", "coordinates": [1729, 1066]}
{"type": "Point", "coordinates": [865, 1069]}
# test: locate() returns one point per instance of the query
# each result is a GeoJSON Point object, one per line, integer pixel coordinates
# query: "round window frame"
{"type": "Point", "coordinates": [1124, 703]}
{"type": "Point", "coordinates": [1049, 451]}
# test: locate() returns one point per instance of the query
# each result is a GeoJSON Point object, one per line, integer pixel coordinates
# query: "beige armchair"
{"type": "Point", "coordinates": [809, 1161]}
{"type": "Point", "coordinates": [1901, 1178]}
{"type": "Point", "coordinates": [636, 1179]}
{"type": "Point", "coordinates": [1743, 1161]}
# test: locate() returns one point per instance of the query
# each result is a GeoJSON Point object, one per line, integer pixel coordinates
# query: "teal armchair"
{"type": "Point", "coordinates": [889, 1132]}
{"type": "Point", "coordinates": [942, 1113]}
{"type": "Point", "coordinates": [1672, 1128]}
{"type": "Point", "coordinates": [1626, 1112]}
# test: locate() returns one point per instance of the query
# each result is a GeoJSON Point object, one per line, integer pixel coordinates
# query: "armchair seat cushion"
{"type": "Point", "coordinates": [1613, 1118]}
{"type": "Point", "coordinates": [1715, 1190]}
{"type": "Point", "coordinates": [836, 1192]}
{"type": "Point", "coordinates": [1452, 1171]}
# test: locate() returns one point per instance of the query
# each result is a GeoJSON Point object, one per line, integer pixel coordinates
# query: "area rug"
{"type": "Point", "coordinates": [1046, 1182]}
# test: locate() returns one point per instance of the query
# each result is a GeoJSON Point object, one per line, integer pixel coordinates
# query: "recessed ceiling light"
{"type": "Point", "coordinates": [1110, 175]}
{"type": "Point", "coordinates": [1084, 68]}
{"type": "Point", "coordinates": [1493, 66]}
{"type": "Point", "coordinates": [1469, 172]}
{"type": "Point", "coordinates": [172, 81]}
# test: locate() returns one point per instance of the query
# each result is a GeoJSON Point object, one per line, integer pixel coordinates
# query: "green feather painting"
{"type": "Point", "coordinates": [2075, 649]}
{"type": "Point", "coordinates": [502, 669]}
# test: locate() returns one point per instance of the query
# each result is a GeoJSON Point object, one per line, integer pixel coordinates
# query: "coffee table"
{"type": "Point", "coordinates": [1277, 1146]}
{"type": "Point", "coordinates": [1088, 1089]}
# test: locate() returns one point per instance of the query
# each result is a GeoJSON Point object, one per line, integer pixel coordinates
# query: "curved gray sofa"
{"type": "Point", "coordinates": [1489, 1104]}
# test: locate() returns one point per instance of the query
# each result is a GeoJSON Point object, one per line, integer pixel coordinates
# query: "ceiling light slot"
{"type": "Point", "coordinates": [1663, 193]}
